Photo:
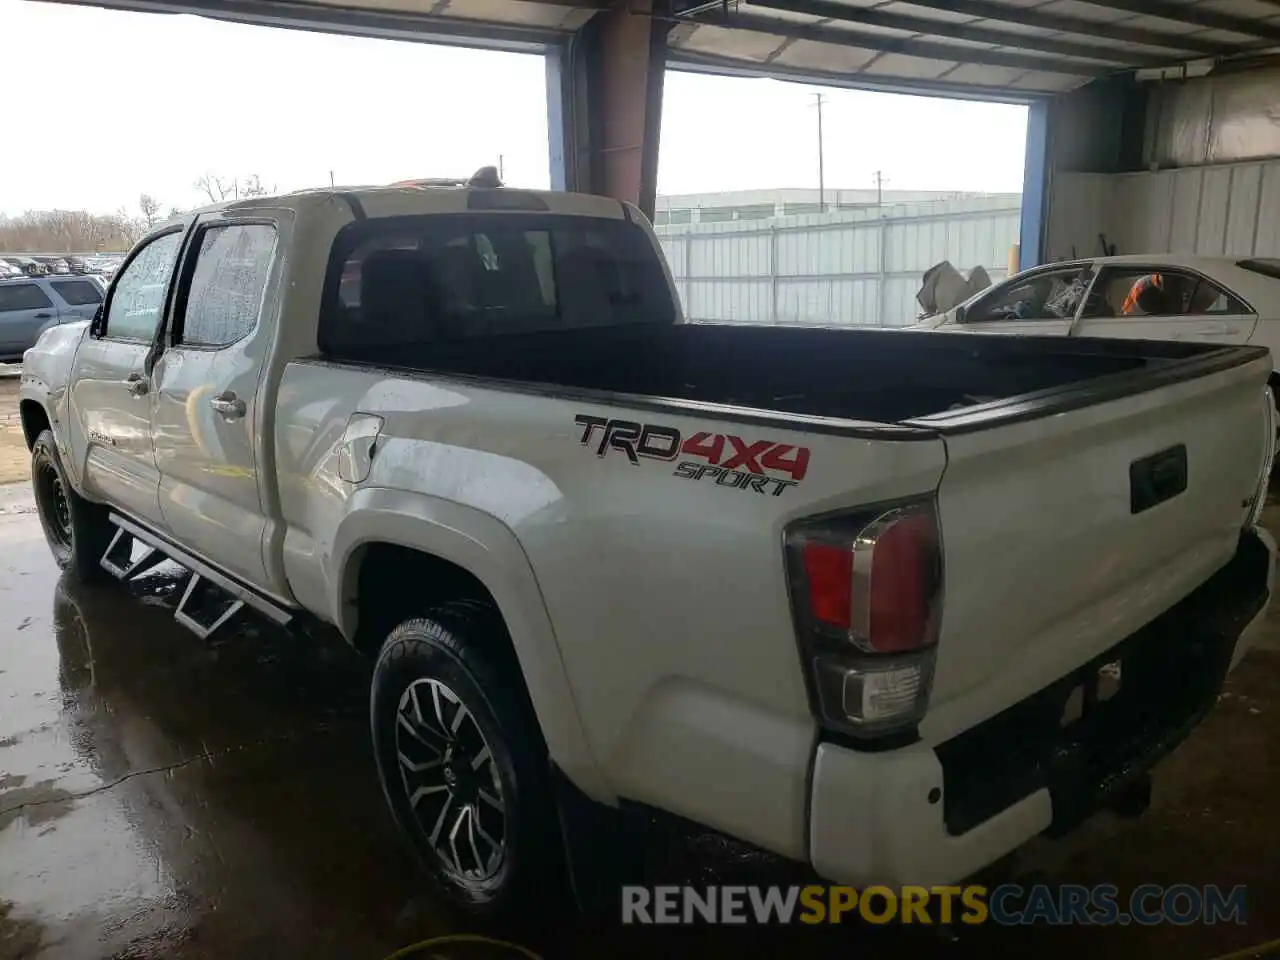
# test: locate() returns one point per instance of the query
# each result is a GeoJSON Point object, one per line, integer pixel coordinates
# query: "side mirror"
{"type": "Point", "coordinates": [95, 325]}
{"type": "Point", "coordinates": [960, 311]}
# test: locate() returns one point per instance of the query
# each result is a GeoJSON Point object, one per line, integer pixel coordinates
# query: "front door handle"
{"type": "Point", "coordinates": [43, 316]}
{"type": "Point", "coordinates": [1213, 329]}
{"type": "Point", "coordinates": [228, 405]}
{"type": "Point", "coordinates": [137, 384]}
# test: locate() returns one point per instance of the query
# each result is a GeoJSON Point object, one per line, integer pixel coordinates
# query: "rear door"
{"type": "Point", "coordinates": [25, 311]}
{"type": "Point", "coordinates": [1038, 303]}
{"type": "Point", "coordinates": [206, 388]}
{"type": "Point", "coordinates": [80, 299]}
{"type": "Point", "coordinates": [110, 406]}
{"type": "Point", "coordinates": [1188, 306]}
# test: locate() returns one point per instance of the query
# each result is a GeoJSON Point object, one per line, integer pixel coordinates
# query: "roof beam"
{"type": "Point", "coordinates": [693, 62]}
{"type": "Point", "coordinates": [907, 46]}
{"type": "Point", "coordinates": [358, 21]}
{"type": "Point", "coordinates": [1032, 17]}
{"type": "Point", "coordinates": [1194, 15]}
{"type": "Point", "coordinates": [832, 10]}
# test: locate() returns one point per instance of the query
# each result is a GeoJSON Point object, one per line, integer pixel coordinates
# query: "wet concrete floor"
{"type": "Point", "coordinates": [167, 797]}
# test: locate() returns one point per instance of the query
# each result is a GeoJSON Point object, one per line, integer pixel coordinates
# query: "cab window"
{"type": "Point", "coordinates": [224, 297]}
{"type": "Point", "coordinates": [137, 299]}
{"type": "Point", "coordinates": [1048, 295]}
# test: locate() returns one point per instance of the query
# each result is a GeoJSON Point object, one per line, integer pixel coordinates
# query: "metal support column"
{"type": "Point", "coordinates": [605, 109]}
{"type": "Point", "coordinates": [557, 129]}
{"type": "Point", "coordinates": [1035, 186]}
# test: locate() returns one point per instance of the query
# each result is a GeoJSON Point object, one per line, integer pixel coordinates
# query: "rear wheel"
{"type": "Point", "coordinates": [462, 763]}
{"type": "Point", "coordinates": [77, 531]}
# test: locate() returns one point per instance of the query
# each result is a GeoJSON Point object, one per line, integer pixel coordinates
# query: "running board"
{"type": "Point", "coordinates": [205, 607]}
{"type": "Point", "coordinates": [211, 598]}
{"type": "Point", "coordinates": [118, 560]}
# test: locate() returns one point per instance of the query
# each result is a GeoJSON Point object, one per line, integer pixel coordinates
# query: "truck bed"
{"type": "Point", "coordinates": [869, 375]}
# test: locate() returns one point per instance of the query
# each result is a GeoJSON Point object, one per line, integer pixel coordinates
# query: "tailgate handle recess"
{"type": "Point", "coordinates": [1157, 478]}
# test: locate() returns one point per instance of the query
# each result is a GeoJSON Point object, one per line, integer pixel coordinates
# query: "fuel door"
{"type": "Point", "coordinates": [358, 446]}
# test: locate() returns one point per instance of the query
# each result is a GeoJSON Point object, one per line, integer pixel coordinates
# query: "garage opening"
{"type": "Point", "coordinates": [782, 202]}
{"type": "Point", "coordinates": [215, 111]}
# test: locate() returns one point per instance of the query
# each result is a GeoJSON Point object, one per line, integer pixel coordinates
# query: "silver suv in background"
{"type": "Point", "coordinates": [31, 305]}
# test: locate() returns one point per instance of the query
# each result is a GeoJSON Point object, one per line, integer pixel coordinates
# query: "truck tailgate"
{"type": "Point", "coordinates": [1063, 534]}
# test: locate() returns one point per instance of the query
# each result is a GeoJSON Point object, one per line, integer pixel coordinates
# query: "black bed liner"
{"type": "Point", "coordinates": [896, 384]}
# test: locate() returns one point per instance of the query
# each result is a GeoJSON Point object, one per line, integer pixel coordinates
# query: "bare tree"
{"type": "Point", "coordinates": [132, 227]}
{"type": "Point", "coordinates": [252, 186]}
{"type": "Point", "coordinates": [216, 188]}
{"type": "Point", "coordinates": [149, 206]}
{"type": "Point", "coordinates": [68, 231]}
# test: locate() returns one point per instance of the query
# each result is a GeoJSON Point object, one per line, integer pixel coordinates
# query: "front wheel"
{"type": "Point", "coordinates": [77, 531]}
{"type": "Point", "coordinates": [462, 763]}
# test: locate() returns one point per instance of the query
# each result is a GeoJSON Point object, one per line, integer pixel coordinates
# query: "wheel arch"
{"type": "Point", "coordinates": [457, 552]}
{"type": "Point", "coordinates": [35, 419]}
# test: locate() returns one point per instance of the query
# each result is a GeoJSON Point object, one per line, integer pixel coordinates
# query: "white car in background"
{"type": "Point", "coordinates": [1225, 299]}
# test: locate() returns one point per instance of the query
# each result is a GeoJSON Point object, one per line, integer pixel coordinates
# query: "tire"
{"type": "Point", "coordinates": [76, 530]}
{"type": "Point", "coordinates": [486, 781]}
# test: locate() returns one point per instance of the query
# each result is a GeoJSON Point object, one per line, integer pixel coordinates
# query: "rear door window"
{"type": "Point", "coordinates": [1158, 292]}
{"type": "Point", "coordinates": [78, 293]}
{"type": "Point", "coordinates": [22, 296]}
{"type": "Point", "coordinates": [224, 297]}
{"type": "Point", "coordinates": [420, 280]}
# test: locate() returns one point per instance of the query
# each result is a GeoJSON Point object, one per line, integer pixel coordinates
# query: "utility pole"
{"type": "Point", "coordinates": [502, 172]}
{"type": "Point", "coordinates": [880, 179]}
{"type": "Point", "coordinates": [330, 179]}
{"type": "Point", "coordinates": [818, 100]}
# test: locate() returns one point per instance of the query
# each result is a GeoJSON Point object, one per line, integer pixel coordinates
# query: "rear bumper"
{"type": "Point", "coordinates": [929, 815]}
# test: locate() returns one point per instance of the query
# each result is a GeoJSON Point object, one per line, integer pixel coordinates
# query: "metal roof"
{"type": "Point", "coordinates": [1011, 49]}
{"type": "Point", "coordinates": [492, 24]}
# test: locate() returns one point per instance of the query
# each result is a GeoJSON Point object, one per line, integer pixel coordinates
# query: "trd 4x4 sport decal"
{"type": "Point", "coordinates": [760, 465]}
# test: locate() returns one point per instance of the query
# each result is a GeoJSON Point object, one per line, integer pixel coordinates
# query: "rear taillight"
{"type": "Point", "coordinates": [866, 591]}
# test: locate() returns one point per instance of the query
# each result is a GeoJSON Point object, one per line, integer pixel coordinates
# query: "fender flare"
{"type": "Point", "coordinates": [489, 550]}
{"type": "Point", "coordinates": [34, 390]}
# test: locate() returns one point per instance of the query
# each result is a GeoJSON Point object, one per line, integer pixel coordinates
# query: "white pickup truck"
{"type": "Point", "coordinates": [886, 604]}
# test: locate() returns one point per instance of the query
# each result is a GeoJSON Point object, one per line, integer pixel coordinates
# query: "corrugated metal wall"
{"type": "Point", "coordinates": [851, 267]}
{"type": "Point", "coordinates": [1228, 209]}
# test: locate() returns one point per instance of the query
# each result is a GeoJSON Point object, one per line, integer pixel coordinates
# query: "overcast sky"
{"type": "Point", "coordinates": [148, 103]}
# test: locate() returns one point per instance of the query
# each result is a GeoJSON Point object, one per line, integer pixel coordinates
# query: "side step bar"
{"type": "Point", "coordinates": [211, 598]}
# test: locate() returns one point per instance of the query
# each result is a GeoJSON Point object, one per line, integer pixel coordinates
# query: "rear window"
{"type": "Point", "coordinates": [1266, 267]}
{"type": "Point", "coordinates": [419, 280]}
{"type": "Point", "coordinates": [22, 296]}
{"type": "Point", "coordinates": [78, 293]}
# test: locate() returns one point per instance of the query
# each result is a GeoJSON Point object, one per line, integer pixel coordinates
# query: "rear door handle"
{"type": "Point", "coordinates": [1213, 329]}
{"type": "Point", "coordinates": [228, 405]}
{"type": "Point", "coordinates": [43, 316]}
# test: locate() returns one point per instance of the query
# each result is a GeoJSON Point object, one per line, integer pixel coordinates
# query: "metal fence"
{"type": "Point", "coordinates": [850, 267]}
